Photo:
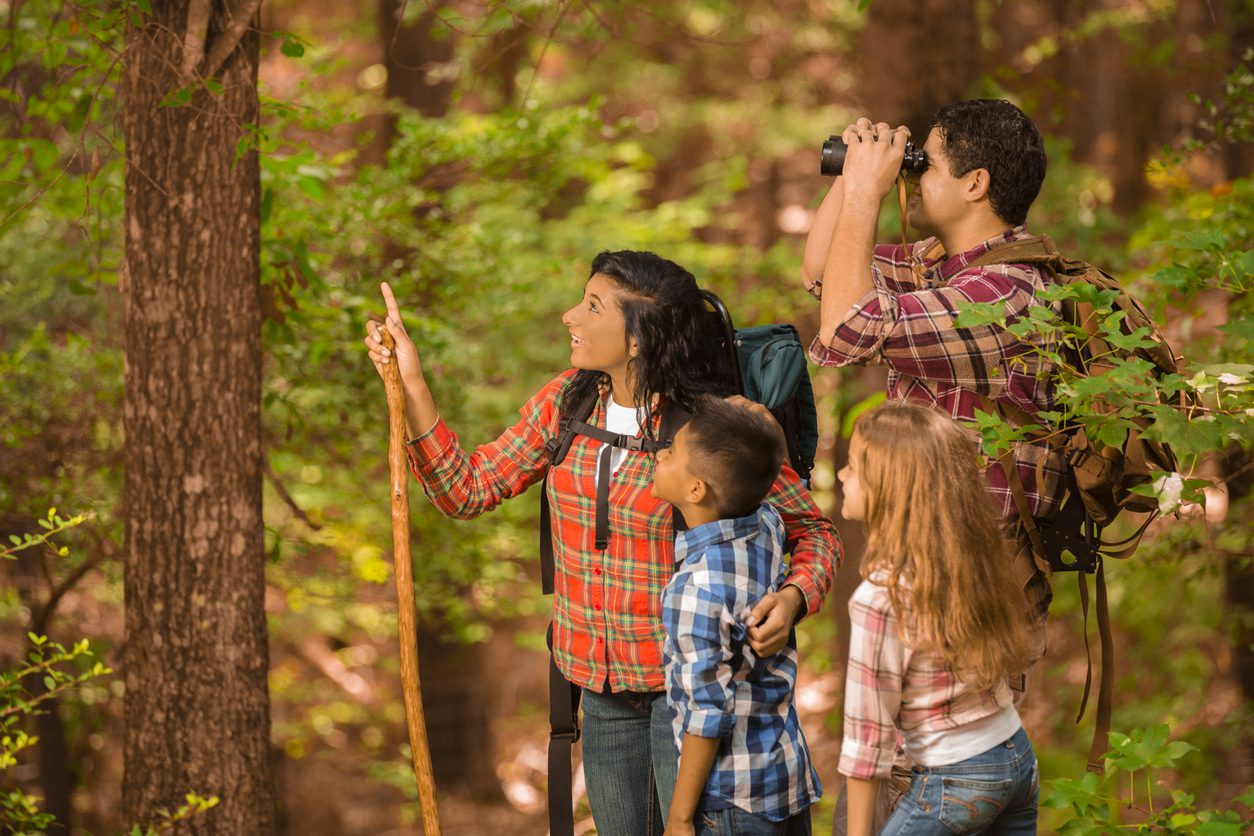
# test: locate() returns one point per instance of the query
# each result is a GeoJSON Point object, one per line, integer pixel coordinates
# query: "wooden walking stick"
{"type": "Point", "coordinates": [406, 611]}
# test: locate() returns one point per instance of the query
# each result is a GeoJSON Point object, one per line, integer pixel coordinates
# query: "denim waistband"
{"type": "Point", "coordinates": [1010, 752]}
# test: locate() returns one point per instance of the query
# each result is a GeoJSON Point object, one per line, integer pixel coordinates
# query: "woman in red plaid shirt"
{"type": "Point", "coordinates": [639, 338]}
{"type": "Point", "coordinates": [935, 628]}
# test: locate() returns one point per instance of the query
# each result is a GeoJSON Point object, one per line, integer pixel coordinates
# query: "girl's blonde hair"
{"type": "Point", "coordinates": [934, 541]}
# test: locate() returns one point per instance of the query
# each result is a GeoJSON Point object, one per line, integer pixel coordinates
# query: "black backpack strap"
{"type": "Point", "coordinates": [557, 448]}
{"type": "Point", "coordinates": [563, 732]}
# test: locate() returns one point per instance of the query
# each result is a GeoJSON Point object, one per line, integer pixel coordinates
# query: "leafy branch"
{"type": "Point", "coordinates": [1095, 806]}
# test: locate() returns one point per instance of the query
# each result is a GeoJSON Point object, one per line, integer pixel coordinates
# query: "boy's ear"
{"type": "Point", "coordinates": [699, 491]}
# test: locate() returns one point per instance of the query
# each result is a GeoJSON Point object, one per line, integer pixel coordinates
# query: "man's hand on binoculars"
{"type": "Point", "coordinates": [873, 159]}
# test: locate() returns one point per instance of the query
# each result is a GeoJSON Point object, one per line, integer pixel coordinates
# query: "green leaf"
{"type": "Point", "coordinates": [292, 48]}
{"type": "Point", "coordinates": [867, 403]}
{"type": "Point", "coordinates": [177, 98]}
{"type": "Point", "coordinates": [1208, 239]}
{"type": "Point", "coordinates": [978, 314]}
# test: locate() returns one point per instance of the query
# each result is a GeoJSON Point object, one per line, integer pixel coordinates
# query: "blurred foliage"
{"type": "Point", "coordinates": [1095, 805]}
{"type": "Point", "coordinates": [655, 126]}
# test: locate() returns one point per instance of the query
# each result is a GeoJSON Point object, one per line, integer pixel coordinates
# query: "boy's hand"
{"type": "Point", "coordinates": [771, 620]}
{"type": "Point", "coordinates": [679, 827]}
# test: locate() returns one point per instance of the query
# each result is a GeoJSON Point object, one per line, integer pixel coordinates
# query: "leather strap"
{"type": "Point", "coordinates": [1020, 497]}
{"type": "Point", "coordinates": [563, 732]}
{"type": "Point", "coordinates": [1083, 581]}
{"type": "Point", "coordinates": [1105, 693]}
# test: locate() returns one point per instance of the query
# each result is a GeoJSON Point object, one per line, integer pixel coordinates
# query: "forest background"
{"type": "Point", "coordinates": [477, 155]}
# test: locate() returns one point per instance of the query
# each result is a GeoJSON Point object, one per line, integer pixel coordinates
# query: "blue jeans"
{"type": "Point", "coordinates": [629, 761]}
{"type": "Point", "coordinates": [736, 822]}
{"type": "Point", "coordinates": [994, 792]}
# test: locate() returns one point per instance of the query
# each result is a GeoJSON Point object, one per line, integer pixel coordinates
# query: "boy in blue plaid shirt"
{"type": "Point", "coordinates": [744, 766]}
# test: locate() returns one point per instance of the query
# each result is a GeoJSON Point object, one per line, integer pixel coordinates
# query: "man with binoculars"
{"type": "Point", "coordinates": [974, 179]}
{"type": "Point", "coordinates": [979, 171]}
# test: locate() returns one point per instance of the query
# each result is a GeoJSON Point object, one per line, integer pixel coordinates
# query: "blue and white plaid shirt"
{"type": "Point", "coordinates": [716, 686]}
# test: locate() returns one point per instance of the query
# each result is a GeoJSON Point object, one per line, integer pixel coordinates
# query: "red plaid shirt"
{"type": "Point", "coordinates": [607, 605]}
{"type": "Point", "coordinates": [910, 328]}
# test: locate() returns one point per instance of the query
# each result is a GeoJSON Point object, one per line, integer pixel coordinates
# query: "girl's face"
{"type": "Point", "coordinates": [853, 504]}
{"type": "Point", "coordinates": [598, 332]}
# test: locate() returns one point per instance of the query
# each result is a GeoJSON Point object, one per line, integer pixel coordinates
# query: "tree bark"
{"type": "Point", "coordinates": [197, 708]}
{"type": "Point", "coordinates": [916, 57]}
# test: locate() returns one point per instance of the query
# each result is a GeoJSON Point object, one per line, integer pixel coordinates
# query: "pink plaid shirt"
{"type": "Point", "coordinates": [888, 687]}
{"type": "Point", "coordinates": [909, 327]}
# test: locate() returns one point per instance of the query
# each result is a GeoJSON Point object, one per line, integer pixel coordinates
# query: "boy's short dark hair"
{"type": "Point", "coordinates": [737, 451]}
{"type": "Point", "coordinates": [995, 135]}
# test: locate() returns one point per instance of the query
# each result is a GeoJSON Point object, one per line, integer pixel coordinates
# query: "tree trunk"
{"type": "Point", "coordinates": [196, 657]}
{"type": "Point", "coordinates": [916, 57]}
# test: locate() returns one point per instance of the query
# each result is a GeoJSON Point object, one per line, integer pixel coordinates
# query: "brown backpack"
{"type": "Point", "coordinates": [1100, 474]}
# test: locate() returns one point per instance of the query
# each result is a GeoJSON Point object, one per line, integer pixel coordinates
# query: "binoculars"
{"type": "Point", "coordinates": [833, 161]}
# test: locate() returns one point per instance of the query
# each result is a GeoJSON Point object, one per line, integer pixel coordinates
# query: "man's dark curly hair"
{"type": "Point", "coordinates": [679, 352]}
{"type": "Point", "coordinates": [995, 135]}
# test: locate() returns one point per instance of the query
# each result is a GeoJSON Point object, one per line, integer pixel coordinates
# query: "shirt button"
{"type": "Point", "coordinates": [596, 571]}
{"type": "Point", "coordinates": [598, 607]}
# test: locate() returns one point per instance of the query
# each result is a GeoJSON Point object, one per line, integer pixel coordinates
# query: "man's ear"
{"type": "Point", "coordinates": [978, 182]}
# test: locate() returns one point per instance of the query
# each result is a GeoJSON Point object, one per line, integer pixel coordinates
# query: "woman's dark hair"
{"type": "Point", "coordinates": [995, 135]}
{"type": "Point", "coordinates": [679, 352]}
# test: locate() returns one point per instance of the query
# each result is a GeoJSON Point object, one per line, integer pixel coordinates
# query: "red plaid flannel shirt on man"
{"type": "Point", "coordinates": [607, 606]}
{"type": "Point", "coordinates": [889, 686]}
{"type": "Point", "coordinates": [910, 328]}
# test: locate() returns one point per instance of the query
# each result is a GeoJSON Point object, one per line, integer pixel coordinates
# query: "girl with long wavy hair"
{"type": "Point", "coordinates": [937, 625]}
{"type": "Point", "coordinates": [640, 339]}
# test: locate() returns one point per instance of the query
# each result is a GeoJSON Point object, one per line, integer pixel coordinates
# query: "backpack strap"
{"type": "Point", "coordinates": [612, 442]}
{"type": "Point", "coordinates": [1037, 249]}
{"type": "Point", "coordinates": [1106, 686]}
{"type": "Point", "coordinates": [557, 448]}
{"type": "Point", "coordinates": [564, 699]}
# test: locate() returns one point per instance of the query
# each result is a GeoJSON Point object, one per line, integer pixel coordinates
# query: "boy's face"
{"type": "Point", "coordinates": [937, 198]}
{"type": "Point", "coordinates": [672, 480]}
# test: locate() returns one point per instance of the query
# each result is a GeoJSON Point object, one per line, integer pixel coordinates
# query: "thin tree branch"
{"type": "Point", "coordinates": [287, 497]}
{"type": "Point", "coordinates": [39, 621]}
{"type": "Point", "coordinates": [194, 37]}
{"type": "Point", "coordinates": [225, 44]}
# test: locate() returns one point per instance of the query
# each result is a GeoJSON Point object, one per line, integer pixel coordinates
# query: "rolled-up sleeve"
{"type": "Point", "coordinates": [914, 333]}
{"type": "Point", "coordinates": [873, 682]}
{"type": "Point", "coordinates": [702, 663]}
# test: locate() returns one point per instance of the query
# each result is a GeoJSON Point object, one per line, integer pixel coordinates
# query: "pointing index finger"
{"type": "Point", "coordinates": [390, 300]}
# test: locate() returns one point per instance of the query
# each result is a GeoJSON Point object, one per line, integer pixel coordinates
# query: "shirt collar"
{"type": "Point", "coordinates": [698, 540]}
{"type": "Point", "coordinates": [950, 265]}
